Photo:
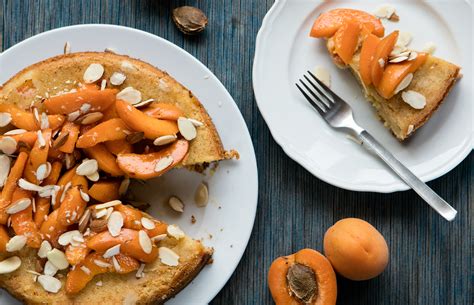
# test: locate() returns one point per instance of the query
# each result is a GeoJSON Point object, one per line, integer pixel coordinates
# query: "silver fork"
{"type": "Point", "coordinates": [338, 114]}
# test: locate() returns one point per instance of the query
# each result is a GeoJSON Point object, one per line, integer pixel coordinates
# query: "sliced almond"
{"type": "Point", "coordinates": [404, 83]}
{"type": "Point", "coordinates": [67, 237]}
{"type": "Point", "coordinates": [94, 176]}
{"type": "Point", "coordinates": [40, 139]}
{"type": "Point", "coordinates": [158, 238]}
{"type": "Point", "coordinates": [101, 213]}
{"type": "Point", "coordinates": [410, 129]}
{"type": "Point", "coordinates": [168, 256]}
{"type": "Point", "coordinates": [124, 186]}
{"type": "Point", "coordinates": [73, 116]}
{"type": "Point", "coordinates": [90, 118]}
{"type": "Point", "coordinates": [36, 114]}
{"type": "Point", "coordinates": [127, 66]}
{"type": "Point", "coordinates": [93, 73]}
{"type": "Point", "coordinates": [116, 264]}
{"type": "Point", "coordinates": [43, 171]}
{"type": "Point", "coordinates": [381, 62]}
{"type": "Point", "coordinates": [384, 11]}
{"type": "Point", "coordinates": [58, 258]}
{"type": "Point", "coordinates": [10, 264]}
{"type": "Point", "coordinates": [414, 99]}
{"type": "Point", "coordinates": [163, 163]}
{"type": "Point", "coordinates": [5, 119]}
{"type": "Point", "coordinates": [44, 249]}
{"type": "Point", "coordinates": [175, 231]}
{"type": "Point", "coordinates": [112, 251]}
{"type": "Point", "coordinates": [117, 78]}
{"type": "Point", "coordinates": [5, 164]}
{"type": "Point", "coordinates": [102, 264]}
{"type": "Point", "coordinates": [98, 225]}
{"type": "Point", "coordinates": [110, 50]}
{"type": "Point", "coordinates": [186, 128]}
{"type": "Point", "coordinates": [44, 121]}
{"type": "Point", "coordinates": [398, 51]}
{"type": "Point", "coordinates": [176, 204]}
{"type": "Point", "coordinates": [404, 39]}
{"type": "Point", "coordinates": [85, 270]}
{"type": "Point", "coordinates": [144, 103]}
{"type": "Point", "coordinates": [103, 84]}
{"type": "Point", "coordinates": [429, 48]}
{"type": "Point", "coordinates": [147, 223]}
{"type": "Point", "coordinates": [108, 204]}
{"type": "Point", "coordinates": [66, 188]}
{"type": "Point", "coordinates": [85, 107]}
{"type": "Point", "coordinates": [115, 223]}
{"type": "Point", "coordinates": [323, 75]}
{"type": "Point", "coordinates": [196, 123]}
{"type": "Point", "coordinates": [8, 145]}
{"type": "Point", "coordinates": [87, 167]}
{"type": "Point", "coordinates": [16, 243]}
{"type": "Point", "coordinates": [67, 48]}
{"type": "Point", "coordinates": [18, 206]}
{"type": "Point", "coordinates": [398, 59]}
{"type": "Point", "coordinates": [60, 140]}
{"type": "Point", "coordinates": [145, 242]}
{"type": "Point", "coordinates": [14, 132]}
{"type": "Point", "coordinates": [50, 269]}
{"type": "Point", "coordinates": [84, 195]}
{"type": "Point", "coordinates": [413, 56]}
{"type": "Point", "coordinates": [201, 196]}
{"type": "Point", "coordinates": [49, 283]}
{"type": "Point", "coordinates": [140, 273]}
{"type": "Point", "coordinates": [130, 95]}
{"type": "Point", "coordinates": [28, 186]}
{"type": "Point", "coordinates": [135, 137]}
{"type": "Point", "coordinates": [163, 140]}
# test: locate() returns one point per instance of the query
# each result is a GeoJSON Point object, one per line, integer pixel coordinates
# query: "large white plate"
{"type": "Point", "coordinates": [226, 223]}
{"type": "Point", "coordinates": [284, 51]}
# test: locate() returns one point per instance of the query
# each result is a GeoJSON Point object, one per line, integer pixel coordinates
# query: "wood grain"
{"type": "Point", "coordinates": [431, 259]}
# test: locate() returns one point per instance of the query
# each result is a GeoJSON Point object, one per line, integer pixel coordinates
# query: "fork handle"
{"type": "Point", "coordinates": [425, 192]}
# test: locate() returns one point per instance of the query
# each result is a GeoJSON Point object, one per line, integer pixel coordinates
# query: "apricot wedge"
{"type": "Point", "coordinates": [345, 40]}
{"type": "Point", "coordinates": [381, 56]}
{"type": "Point", "coordinates": [26, 120]}
{"type": "Point", "coordinates": [139, 121]}
{"type": "Point", "coordinates": [43, 204]}
{"type": "Point", "coordinates": [99, 100]}
{"type": "Point", "coordinates": [51, 229]}
{"type": "Point", "coordinates": [367, 53]}
{"type": "Point", "coordinates": [132, 220]}
{"type": "Point", "coordinates": [329, 22]}
{"type": "Point", "coordinates": [142, 166]}
{"type": "Point", "coordinates": [104, 191]}
{"type": "Point", "coordinates": [119, 147]}
{"type": "Point", "coordinates": [107, 162]}
{"type": "Point", "coordinates": [76, 254]}
{"type": "Point", "coordinates": [73, 133]}
{"type": "Point", "coordinates": [128, 241]}
{"type": "Point", "coordinates": [11, 184]}
{"type": "Point", "coordinates": [113, 129]}
{"type": "Point", "coordinates": [38, 156]}
{"type": "Point", "coordinates": [22, 222]}
{"type": "Point", "coordinates": [395, 73]}
{"type": "Point", "coordinates": [163, 111]}
{"type": "Point", "coordinates": [4, 238]}
{"type": "Point", "coordinates": [72, 207]}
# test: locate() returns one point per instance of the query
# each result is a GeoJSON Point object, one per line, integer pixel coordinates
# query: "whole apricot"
{"type": "Point", "coordinates": [356, 249]}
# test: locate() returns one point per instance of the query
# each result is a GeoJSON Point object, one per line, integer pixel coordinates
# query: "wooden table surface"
{"type": "Point", "coordinates": [431, 259]}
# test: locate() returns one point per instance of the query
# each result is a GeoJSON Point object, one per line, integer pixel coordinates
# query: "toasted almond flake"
{"type": "Point", "coordinates": [42, 172]}
{"type": "Point", "coordinates": [108, 204]}
{"type": "Point", "coordinates": [9, 221]}
{"type": "Point", "coordinates": [145, 242]}
{"type": "Point", "coordinates": [16, 243]}
{"type": "Point", "coordinates": [73, 116]}
{"type": "Point", "coordinates": [147, 223]}
{"type": "Point", "coordinates": [33, 204]}
{"type": "Point", "coordinates": [14, 132]}
{"type": "Point", "coordinates": [93, 177]}
{"type": "Point", "coordinates": [323, 75]}
{"type": "Point", "coordinates": [110, 50]}
{"type": "Point", "coordinates": [410, 129]}
{"type": "Point", "coordinates": [49, 283]}
{"type": "Point", "coordinates": [67, 237]}
{"type": "Point", "coordinates": [69, 161]}
{"type": "Point", "coordinates": [404, 39]}
{"type": "Point", "coordinates": [175, 231]}
{"type": "Point", "coordinates": [58, 258]}
{"type": "Point", "coordinates": [44, 121]}
{"type": "Point", "coordinates": [102, 264]}
{"type": "Point", "coordinates": [381, 62]}
{"type": "Point", "coordinates": [87, 167]}
{"type": "Point", "coordinates": [41, 140]}
{"type": "Point", "coordinates": [85, 107]}
{"type": "Point", "coordinates": [398, 51]}
{"type": "Point", "coordinates": [135, 137]}
{"type": "Point", "coordinates": [144, 103]}
{"type": "Point", "coordinates": [186, 128]}
{"type": "Point", "coordinates": [93, 73]}
{"type": "Point", "coordinates": [99, 283]}
{"type": "Point", "coordinates": [5, 164]}
{"type": "Point", "coordinates": [86, 270]}
{"type": "Point", "coordinates": [414, 99]}
{"type": "Point", "coordinates": [66, 188]}
{"type": "Point", "coordinates": [10, 264]}
{"type": "Point", "coordinates": [163, 140]}
{"type": "Point", "coordinates": [429, 47]}
{"type": "Point", "coordinates": [50, 269]}
{"type": "Point", "coordinates": [127, 66]}
{"type": "Point", "coordinates": [101, 213]}
{"type": "Point", "coordinates": [168, 256]}
{"type": "Point", "coordinates": [36, 114]}
{"type": "Point", "coordinates": [18, 206]}
{"type": "Point", "coordinates": [163, 163]}
{"type": "Point", "coordinates": [124, 186]}
{"type": "Point", "coordinates": [130, 95]}
{"type": "Point", "coordinates": [404, 83]}
{"type": "Point", "coordinates": [140, 273]}
{"type": "Point", "coordinates": [44, 249]}
{"type": "Point", "coordinates": [176, 204]}
{"type": "Point", "coordinates": [116, 264]}
{"type": "Point", "coordinates": [8, 145]}
{"type": "Point", "coordinates": [398, 59]}
{"type": "Point", "coordinates": [26, 185]}
{"type": "Point", "coordinates": [115, 223]}
{"type": "Point", "coordinates": [33, 272]}
{"type": "Point", "coordinates": [61, 140]}
{"type": "Point", "coordinates": [112, 251]}
{"type": "Point", "coordinates": [90, 118]}
{"type": "Point", "coordinates": [109, 212]}
{"type": "Point", "coordinates": [384, 11]}
{"type": "Point", "coordinates": [413, 55]}
{"type": "Point", "coordinates": [201, 196]}
{"type": "Point", "coordinates": [48, 191]}
{"type": "Point", "coordinates": [84, 195]}
{"type": "Point", "coordinates": [117, 78]}
{"type": "Point", "coordinates": [5, 119]}
{"type": "Point", "coordinates": [67, 48]}
{"type": "Point", "coordinates": [158, 238]}
{"type": "Point", "coordinates": [103, 84]}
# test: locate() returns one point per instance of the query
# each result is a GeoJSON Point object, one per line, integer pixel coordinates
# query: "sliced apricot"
{"type": "Point", "coordinates": [10, 185]}
{"type": "Point", "coordinates": [63, 180]}
{"type": "Point", "coordinates": [113, 129]}
{"type": "Point", "coordinates": [395, 73]}
{"type": "Point", "coordinates": [382, 52]}
{"type": "Point", "coordinates": [139, 121]}
{"type": "Point", "coordinates": [72, 207]}
{"type": "Point", "coordinates": [128, 241]}
{"type": "Point", "coordinates": [305, 277]}
{"type": "Point", "coordinates": [4, 238]}
{"type": "Point", "coordinates": [119, 147]}
{"type": "Point", "coordinates": [345, 40]}
{"type": "Point", "coordinates": [51, 229]}
{"type": "Point", "coordinates": [329, 22]}
{"type": "Point", "coordinates": [38, 156]}
{"type": "Point", "coordinates": [132, 220]}
{"type": "Point", "coordinates": [43, 204]}
{"type": "Point", "coordinates": [367, 54]}
{"type": "Point", "coordinates": [107, 161]}
{"type": "Point", "coordinates": [26, 120]}
{"type": "Point", "coordinates": [67, 103]}
{"type": "Point", "coordinates": [109, 113]}
{"type": "Point", "coordinates": [72, 131]}
{"type": "Point", "coordinates": [76, 254]}
{"type": "Point", "coordinates": [104, 191]}
{"type": "Point", "coordinates": [164, 111]}
{"type": "Point", "coordinates": [142, 166]}
{"type": "Point", "coordinates": [29, 138]}
{"type": "Point", "coordinates": [22, 222]}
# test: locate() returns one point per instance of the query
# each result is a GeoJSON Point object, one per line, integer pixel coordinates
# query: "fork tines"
{"type": "Point", "coordinates": [319, 94]}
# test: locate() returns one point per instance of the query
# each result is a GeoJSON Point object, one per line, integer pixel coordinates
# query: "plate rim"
{"type": "Point", "coordinates": [270, 16]}
{"type": "Point", "coordinates": [252, 160]}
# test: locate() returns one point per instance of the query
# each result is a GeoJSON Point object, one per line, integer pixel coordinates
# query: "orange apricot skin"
{"type": "Point", "coordinates": [142, 166]}
{"type": "Point", "coordinates": [43, 204]}
{"type": "Point", "coordinates": [72, 207]}
{"type": "Point", "coordinates": [38, 156]}
{"type": "Point", "coordinates": [367, 53]}
{"type": "Point", "coordinates": [99, 100]}
{"type": "Point", "coordinates": [381, 53]}
{"type": "Point", "coordinates": [356, 249]}
{"type": "Point", "coordinates": [329, 22]}
{"type": "Point", "coordinates": [25, 120]}
{"type": "Point", "coordinates": [51, 229]}
{"type": "Point", "coordinates": [113, 129]}
{"type": "Point", "coordinates": [132, 220]}
{"type": "Point", "coordinates": [106, 161]}
{"type": "Point", "coordinates": [325, 277]}
{"type": "Point", "coordinates": [345, 40]}
{"type": "Point", "coordinates": [163, 111]}
{"type": "Point", "coordinates": [4, 238]}
{"type": "Point", "coordinates": [22, 222]}
{"type": "Point", "coordinates": [119, 147]}
{"type": "Point", "coordinates": [73, 130]}
{"type": "Point", "coordinates": [11, 184]}
{"type": "Point", "coordinates": [104, 191]}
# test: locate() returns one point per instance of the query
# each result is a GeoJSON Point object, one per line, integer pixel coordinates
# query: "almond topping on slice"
{"type": "Point", "coordinates": [41, 140]}
{"type": "Point", "coordinates": [404, 39]}
{"type": "Point", "coordinates": [145, 242]}
{"type": "Point", "coordinates": [18, 206]}
{"type": "Point", "coordinates": [140, 272]}
{"type": "Point", "coordinates": [93, 73]}
{"type": "Point", "coordinates": [158, 238]}
{"type": "Point", "coordinates": [175, 231]}
{"type": "Point", "coordinates": [84, 195]}
{"type": "Point", "coordinates": [44, 249]}
{"type": "Point", "coordinates": [67, 238]}
{"type": "Point", "coordinates": [413, 55]}
{"type": "Point", "coordinates": [44, 121]}
{"type": "Point", "coordinates": [384, 11]}
{"type": "Point", "coordinates": [16, 243]}
{"type": "Point", "coordinates": [147, 223]}
{"type": "Point", "coordinates": [43, 171]}
{"type": "Point", "coordinates": [124, 186]}
{"type": "Point", "coordinates": [398, 59]}
{"type": "Point", "coordinates": [323, 75]}
{"type": "Point", "coordinates": [28, 186]}
{"type": "Point", "coordinates": [102, 264]}
{"type": "Point", "coordinates": [186, 128]}
{"type": "Point", "coordinates": [93, 177]}
{"type": "Point", "coordinates": [67, 48]}
{"type": "Point", "coordinates": [8, 145]}
{"type": "Point", "coordinates": [49, 283]}
{"type": "Point", "coordinates": [429, 47]}
{"type": "Point", "coordinates": [201, 197]}
{"type": "Point", "coordinates": [168, 256]}
{"type": "Point", "coordinates": [116, 264]}
{"type": "Point", "coordinates": [14, 132]}
{"type": "Point", "coordinates": [414, 99]}
{"type": "Point", "coordinates": [112, 251]}
{"type": "Point", "coordinates": [108, 204]}
{"type": "Point", "coordinates": [58, 258]}
{"type": "Point", "coordinates": [5, 119]}
{"type": "Point", "coordinates": [117, 78]}
{"type": "Point", "coordinates": [163, 163]}
{"type": "Point", "coordinates": [61, 140]}
{"type": "Point", "coordinates": [410, 129]}
{"type": "Point", "coordinates": [91, 118]}
{"type": "Point", "coordinates": [130, 95]}
{"type": "Point", "coordinates": [163, 140]}
{"type": "Point", "coordinates": [50, 269]}
{"type": "Point", "coordinates": [115, 223]}
{"type": "Point", "coordinates": [10, 264]}
{"type": "Point", "coordinates": [144, 103]}
{"type": "Point", "coordinates": [87, 167]}
{"type": "Point", "coordinates": [5, 164]}
{"type": "Point", "coordinates": [176, 204]}
{"type": "Point", "coordinates": [103, 84]}
{"type": "Point", "coordinates": [73, 116]}
{"type": "Point", "coordinates": [404, 83]}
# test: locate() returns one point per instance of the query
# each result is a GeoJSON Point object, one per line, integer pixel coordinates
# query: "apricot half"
{"type": "Point", "coordinates": [356, 249]}
{"type": "Point", "coordinates": [305, 277]}
{"type": "Point", "coordinates": [345, 40]}
{"type": "Point", "coordinates": [367, 53]}
{"type": "Point", "coordinates": [381, 56]}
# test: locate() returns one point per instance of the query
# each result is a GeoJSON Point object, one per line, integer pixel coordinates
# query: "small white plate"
{"type": "Point", "coordinates": [226, 223]}
{"type": "Point", "coordinates": [284, 51]}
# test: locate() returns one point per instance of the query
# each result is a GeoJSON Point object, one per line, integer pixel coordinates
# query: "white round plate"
{"type": "Point", "coordinates": [284, 51]}
{"type": "Point", "coordinates": [226, 223]}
